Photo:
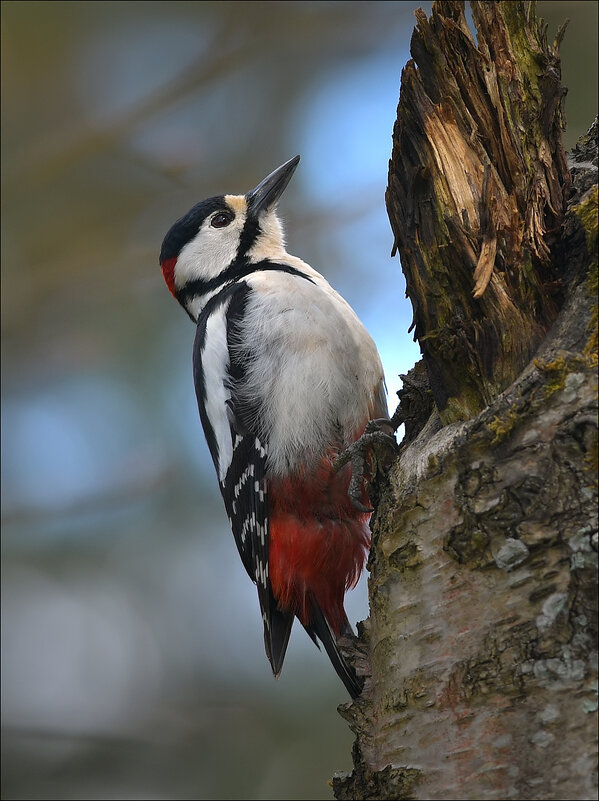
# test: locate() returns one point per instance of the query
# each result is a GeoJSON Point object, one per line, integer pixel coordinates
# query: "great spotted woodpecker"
{"type": "Point", "coordinates": [286, 378]}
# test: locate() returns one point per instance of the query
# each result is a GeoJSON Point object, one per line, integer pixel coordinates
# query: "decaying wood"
{"type": "Point", "coordinates": [477, 187]}
{"type": "Point", "coordinates": [480, 650]}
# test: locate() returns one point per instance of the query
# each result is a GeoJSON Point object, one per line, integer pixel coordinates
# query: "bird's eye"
{"type": "Point", "coordinates": [220, 220]}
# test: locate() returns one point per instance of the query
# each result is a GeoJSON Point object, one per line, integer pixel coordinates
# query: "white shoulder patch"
{"type": "Point", "coordinates": [215, 361]}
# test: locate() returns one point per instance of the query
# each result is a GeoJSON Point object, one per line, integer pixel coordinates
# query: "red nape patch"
{"type": "Point", "coordinates": [318, 544]}
{"type": "Point", "coordinates": [168, 271]}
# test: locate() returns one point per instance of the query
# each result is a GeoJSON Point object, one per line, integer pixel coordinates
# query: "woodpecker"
{"type": "Point", "coordinates": [286, 378]}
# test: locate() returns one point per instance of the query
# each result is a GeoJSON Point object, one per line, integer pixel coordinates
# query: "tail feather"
{"type": "Point", "coordinates": [319, 627]}
{"type": "Point", "coordinates": [276, 637]}
{"type": "Point", "coordinates": [277, 631]}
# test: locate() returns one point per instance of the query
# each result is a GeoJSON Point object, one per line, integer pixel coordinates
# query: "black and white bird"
{"type": "Point", "coordinates": [286, 378]}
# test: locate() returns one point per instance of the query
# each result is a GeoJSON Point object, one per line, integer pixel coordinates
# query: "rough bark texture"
{"type": "Point", "coordinates": [477, 187]}
{"type": "Point", "coordinates": [480, 651]}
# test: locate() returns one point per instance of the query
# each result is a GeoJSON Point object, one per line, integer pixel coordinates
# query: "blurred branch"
{"type": "Point", "coordinates": [83, 738]}
{"type": "Point", "coordinates": [244, 36]}
{"type": "Point", "coordinates": [140, 479]}
{"type": "Point", "coordinates": [47, 157]}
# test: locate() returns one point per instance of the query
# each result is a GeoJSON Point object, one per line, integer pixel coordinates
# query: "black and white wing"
{"type": "Point", "coordinates": [239, 456]}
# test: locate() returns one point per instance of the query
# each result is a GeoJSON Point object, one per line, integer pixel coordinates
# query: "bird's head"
{"type": "Point", "coordinates": [221, 237]}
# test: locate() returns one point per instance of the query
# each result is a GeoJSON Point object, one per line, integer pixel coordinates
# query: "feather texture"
{"type": "Point", "coordinates": [286, 377]}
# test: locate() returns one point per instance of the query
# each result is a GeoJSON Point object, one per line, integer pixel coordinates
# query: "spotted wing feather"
{"type": "Point", "coordinates": [239, 456]}
{"type": "Point", "coordinates": [245, 494]}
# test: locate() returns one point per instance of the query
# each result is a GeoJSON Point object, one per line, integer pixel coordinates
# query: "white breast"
{"type": "Point", "coordinates": [316, 369]}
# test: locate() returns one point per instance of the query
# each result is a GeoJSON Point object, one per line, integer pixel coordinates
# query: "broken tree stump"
{"type": "Point", "coordinates": [478, 183]}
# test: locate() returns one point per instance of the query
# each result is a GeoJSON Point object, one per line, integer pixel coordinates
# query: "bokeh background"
{"type": "Point", "coordinates": [132, 655]}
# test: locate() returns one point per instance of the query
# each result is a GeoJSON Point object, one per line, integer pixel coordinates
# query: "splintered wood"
{"type": "Point", "coordinates": [478, 182]}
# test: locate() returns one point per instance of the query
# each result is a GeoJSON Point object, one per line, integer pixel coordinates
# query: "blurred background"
{"type": "Point", "coordinates": [132, 654]}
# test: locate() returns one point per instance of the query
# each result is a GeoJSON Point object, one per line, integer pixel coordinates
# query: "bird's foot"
{"type": "Point", "coordinates": [376, 448]}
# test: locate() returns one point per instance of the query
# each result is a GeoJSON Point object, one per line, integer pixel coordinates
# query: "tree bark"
{"type": "Point", "coordinates": [480, 650]}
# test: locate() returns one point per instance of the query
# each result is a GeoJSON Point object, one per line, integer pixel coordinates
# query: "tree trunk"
{"type": "Point", "coordinates": [480, 650]}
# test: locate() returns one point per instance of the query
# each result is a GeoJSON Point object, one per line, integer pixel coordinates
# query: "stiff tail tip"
{"type": "Point", "coordinates": [319, 627]}
{"type": "Point", "coordinates": [277, 630]}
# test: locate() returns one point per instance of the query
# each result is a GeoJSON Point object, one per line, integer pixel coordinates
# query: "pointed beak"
{"type": "Point", "coordinates": [268, 191]}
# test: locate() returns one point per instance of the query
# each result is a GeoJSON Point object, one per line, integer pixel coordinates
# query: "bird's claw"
{"type": "Point", "coordinates": [377, 440]}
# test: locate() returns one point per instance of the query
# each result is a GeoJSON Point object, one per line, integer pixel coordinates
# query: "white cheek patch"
{"type": "Point", "coordinates": [212, 249]}
{"type": "Point", "coordinates": [215, 361]}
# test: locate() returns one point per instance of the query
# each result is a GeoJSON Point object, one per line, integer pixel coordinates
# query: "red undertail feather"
{"type": "Point", "coordinates": [318, 544]}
